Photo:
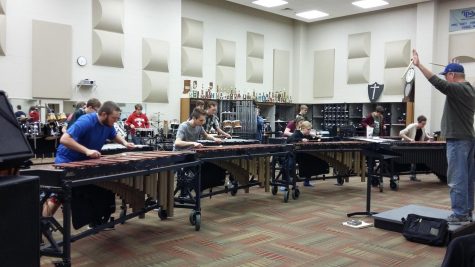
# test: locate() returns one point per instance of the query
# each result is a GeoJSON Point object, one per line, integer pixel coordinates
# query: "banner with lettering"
{"type": "Point", "coordinates": [462, 19]}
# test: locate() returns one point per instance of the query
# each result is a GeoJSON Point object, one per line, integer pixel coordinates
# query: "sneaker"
{"type": "Point", "coordinates": [414, 179]}
{"type": "Point", "coordinates": [455, 219]}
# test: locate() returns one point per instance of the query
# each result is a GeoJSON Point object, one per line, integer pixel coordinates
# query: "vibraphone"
{"type": "Point", "coordinates": [114, 172]}
{"type": "Point", "coordinates": [244, 163]}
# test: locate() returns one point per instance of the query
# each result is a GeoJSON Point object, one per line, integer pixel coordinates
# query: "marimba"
{"type": "Point", "coordinates": [344, 157]}
{"type": "Point", "coordinates": [122, 173]}
{"type": "Point", "coordinates": [227, 142]}
{"type": "Point", "coordinates": [247, 165]}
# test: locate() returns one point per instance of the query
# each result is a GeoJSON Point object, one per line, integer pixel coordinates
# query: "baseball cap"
{"type": "Point", "coordinates": [453, 67]}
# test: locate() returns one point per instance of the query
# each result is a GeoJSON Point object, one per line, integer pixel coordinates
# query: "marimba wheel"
{"type": "Point", "coordinates": [274, 190]}
{"type": "Point", "coordinates": [295, 193]}
{"type": "Point", "coordinates": [340, 180]}
{"type": "Point", "coordinates": [286, 196]}
{"type": "Point", "coordinates": [162, 214]}
{"type": "Point", "coordinates": [234, 188]}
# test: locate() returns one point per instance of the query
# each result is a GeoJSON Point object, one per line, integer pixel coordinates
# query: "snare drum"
{"type": "Point", "coordinates": [227, 124]}
{"type": "Point", "coordinates": [236, 124]}
{"type": "Point", "coordinates": [143, 132]}
{"type": "Point", "coordinates": [51, 117]}
{"type": "Point", "coordinates": [61, 117]}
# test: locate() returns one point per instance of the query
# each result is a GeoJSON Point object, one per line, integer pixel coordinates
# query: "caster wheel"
{"type": "Point", "coordinates": [274, 190]}
{"type": "Point", "coordinates": [375, 181]}
{"type": "Point", "coordinates": [234, 188]}
{"type": "Point", "coordinates": [192, 217]}
{"type": "Point", "coordinates": [340, 180]}
{"type": "Point", "coordinates": [162, 214]}
{"type": "Point", "coordinates": [286, 196]}
{"type": "Point", "coordinates": [197, 221]}
{"type": "Point", "coordinates": [295, 193]}
{"type": "Point", "coordinates": [381, 188]}
{"type": "Point", "coordinates": [394, 186]}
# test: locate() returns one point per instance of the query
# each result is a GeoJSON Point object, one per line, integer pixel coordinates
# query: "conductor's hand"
{"type": "Point", "coordinates": [197, 145]}
{"type": "Point", "coordinates": [93, 154]}
{"type": "Point", "coordinates": [415, 58]}
{"type": "Point", "coordinates": [129, 145]}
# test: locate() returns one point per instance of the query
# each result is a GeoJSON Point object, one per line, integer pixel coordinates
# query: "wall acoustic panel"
{"type": "Point", "coordinates": [323, 73]}
{"type": "Point", "coordinates": [155, 55]}
{"type": "Point", "coordinates": [281, 70]}
{"type": "Point", "coordinates": [191, 33]}
{"type": "Point", "coordinates": [358, 70]}
{"type": "Point", "coordinates": [397, 54]}
{"type": "Point", "coordinates": [255, 57]}
{"type": "Point", "coordinates": [107, 48]}
{"type": "Point", "coordinates": [3, 34]}
{"type": "Point", "coordinates": [191, 62]}
{"type": "Point", "coordinates": [51, 60]}
{"type": "Point", "coordinates": [155, 86]}
{"type": "Point", "coordinates": [393, 84]}
{"type": "Point", "coordinates": [108, 15]}
{"type": "Point", "coordinates": [462, 47]}
{"type": "Point", "coordinates": [254, 70]}
{"type": "Point", "coordinates": [3, 28]}
{"type": "Point", "coordinates": [225, 53]}
{"type": "Point", "coordinates": [225, 77]}
{"type": "Point", "coordinates": [359, 45]}
{"type": "Point", "coordinates": [255, 45]}
{"type": "Point", "coordinates": [192, 47]}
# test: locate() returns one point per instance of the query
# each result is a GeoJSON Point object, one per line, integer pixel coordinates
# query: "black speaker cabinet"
{"type": "Point", "coordinates": [15, 148]}
{"type": "Point", "coordinates": [19, 221]}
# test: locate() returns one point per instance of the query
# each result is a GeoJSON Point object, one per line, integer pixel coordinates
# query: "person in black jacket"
{"type": "Point", "coordinates": [301, 134]}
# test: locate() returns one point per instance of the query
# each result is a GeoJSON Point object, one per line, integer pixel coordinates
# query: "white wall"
{"type": "Point", "coordinates": [442, 52]}
{"type": "Point", "coordinates": [385, 26]}
{"type": "Point", "coordinates": [223, 20]}
{"type": "Point", "coordinates": [159, 19]}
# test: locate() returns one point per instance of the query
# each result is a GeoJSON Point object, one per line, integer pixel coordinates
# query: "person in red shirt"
{"type": "Point", "coordinates": [137, 120]}
{"type": "Point", "coordinates": [34, 114]}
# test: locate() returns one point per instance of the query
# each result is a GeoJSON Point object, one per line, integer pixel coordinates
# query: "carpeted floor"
{"type": "Point", "coordinates": [258, 229]}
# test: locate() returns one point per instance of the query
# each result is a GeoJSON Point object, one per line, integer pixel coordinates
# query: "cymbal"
{"type": "Point", "coordinates": [279, 121]}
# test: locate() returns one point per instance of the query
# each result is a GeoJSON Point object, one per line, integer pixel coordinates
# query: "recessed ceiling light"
{"type": "Point", "coordinates": [312, 14]}
{"type": "Point", "coordinates": [270, 3]}
{"type": "Point", "coordinates": [370, 3]}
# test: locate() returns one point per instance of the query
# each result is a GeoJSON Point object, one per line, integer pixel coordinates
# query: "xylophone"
{"type": "Point", "coordinates": [131, 175]}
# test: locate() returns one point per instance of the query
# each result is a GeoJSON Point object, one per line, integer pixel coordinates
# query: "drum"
{"type": "Point", "coordinates": [236, 124]}
{"type": "Point", "coordinates": [51, 130]}
{"type": "Point", "coordinates": [51, 117]}
{"type": "Point", "coordinates": [143, 132]}
{"type": "Point", "coordinates": [120, 129]}
{"type": "Point", "coordinates": [35, 129]}
{"type": "Point", "coordinates": [227, 124]}
{"type": "Point", "coordinates": [61, 117]}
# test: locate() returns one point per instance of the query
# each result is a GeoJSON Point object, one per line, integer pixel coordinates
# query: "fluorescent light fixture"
{"type": "Point", "coordinates": [370, 3]}
{"type": "Point", "coordinates": [312, 14]}
{"type": "Point", "coordinates": [270, 3]}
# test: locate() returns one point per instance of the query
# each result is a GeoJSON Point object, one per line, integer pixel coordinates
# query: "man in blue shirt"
{"type": "Point", "coordinates": [84, 140]}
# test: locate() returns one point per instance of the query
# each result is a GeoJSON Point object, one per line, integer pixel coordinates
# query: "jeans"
{"type": "Point", "coordinates": [461, 175]}
{"type": "Point", "coordinates": [137, 140]}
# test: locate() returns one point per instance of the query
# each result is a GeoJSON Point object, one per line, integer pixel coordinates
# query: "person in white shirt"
{"type": "Point", "coordinates": [415, 132]}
